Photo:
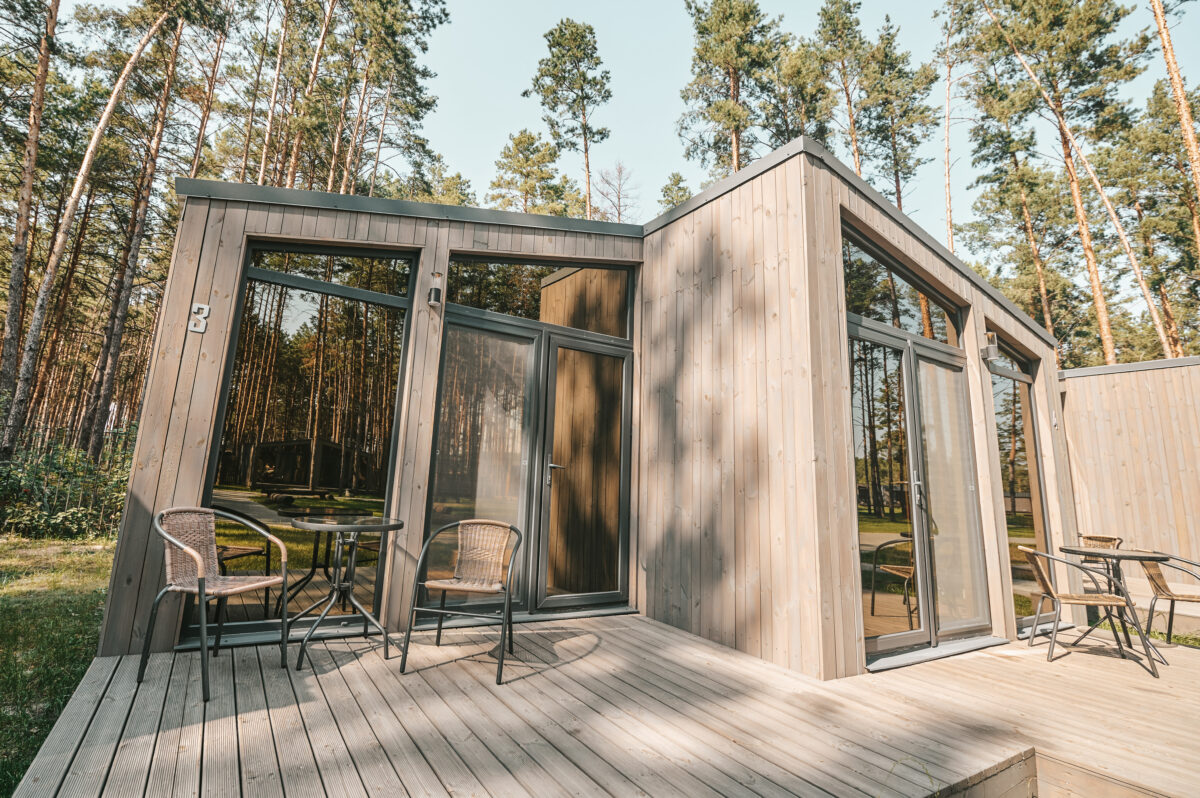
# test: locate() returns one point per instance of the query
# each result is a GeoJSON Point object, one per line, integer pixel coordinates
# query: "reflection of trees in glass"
{"type": "Point", "coordinates": [1008, 401]}
{"type": "Point", "coordinates": [881, 457]}
{"type": "Point", "coordinates": [384, 275]}
{"type": "Point", "coordinates": [514, 289]}
{"type": "Point", "coordinates": [312, 392]}
{"type": "Point", "coordinates": [875, 291]}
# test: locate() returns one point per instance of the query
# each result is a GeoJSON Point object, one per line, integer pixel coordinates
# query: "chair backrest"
{"type": "Point", "coordinates": [1158, 582]}
{"type": "Point", "coordinates": [1041, 570]}
{"type": "Point", "coordinates": [1098, 542]}
{"type": "Point", "coordinates": [196, 528]}
{"type": "Point", "coordinates": [481, 546]}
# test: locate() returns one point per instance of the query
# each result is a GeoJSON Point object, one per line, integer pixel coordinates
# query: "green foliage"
{"type": "Point", "coordinates": [735, 44]}
{"type": "Point", "coordinates": [896, 117]}
{"type": "Point", "coordinates": [527, 179]}
{"type": "Point", "coordinates": [844, 51]}
{"type": "Point", "coordinates": [571, 84]}
{"type": "Point", "coordinates": [60, 492]}
{"type": "Point", "coordinates": [674, 193]}
{"type": "Point", "coordinates": [795, 97]}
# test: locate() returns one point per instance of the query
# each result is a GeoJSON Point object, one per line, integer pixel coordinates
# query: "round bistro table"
{"type": "Point", "coordinates": [345, 530]}
{"type": "Point", "coordinates": [1114, 558]}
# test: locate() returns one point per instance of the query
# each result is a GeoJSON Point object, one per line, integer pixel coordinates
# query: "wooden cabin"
{"type": "Point", "coordinates": [781, 417]}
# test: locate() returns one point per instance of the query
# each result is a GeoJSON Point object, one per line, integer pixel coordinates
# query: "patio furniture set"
{"type": "Point", "coordinates": [195, 565]}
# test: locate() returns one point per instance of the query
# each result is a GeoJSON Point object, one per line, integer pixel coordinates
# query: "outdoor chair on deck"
{"type": "Point", "coordinates": [479, 568]}
{"type": "Point", "coordinates": [1161, 590]}
{"type": "Point", "coordinates": [903, 571]}
{"type": "Point", "coordinates": [190, 550]}
{"type": "Point", "coordinates": [1105, 601]}
{"type": "Point", "coordinates": [1099, 542]}
{"type": "Point", "coordinates": [227, 553]}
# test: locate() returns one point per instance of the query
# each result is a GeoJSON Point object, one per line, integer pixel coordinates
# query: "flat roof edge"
{"type": "Point", "coordinates": [295, 197]}
{"type": "Point", "coordinates": [807, 146]}
{"type": "Point", "coordinates": [1122, 368]}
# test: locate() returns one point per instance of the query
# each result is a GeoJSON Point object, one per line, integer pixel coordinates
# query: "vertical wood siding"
{"type": "Point", "coordinates": [178, 424]}
{"type": "Point", "coordinates": [1134, 439]}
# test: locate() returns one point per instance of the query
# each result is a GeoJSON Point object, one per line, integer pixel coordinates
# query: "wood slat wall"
{"type": "Point", "coordinates": [1134, 438]}
{"type": "Point", "coordinates": [184, 384]}
{"type": "Point", "coordinates": [745, 510]}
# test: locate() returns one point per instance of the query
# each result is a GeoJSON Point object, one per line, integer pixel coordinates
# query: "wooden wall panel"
{"type": "Point", "coordinates": [185, 380]}
{"type": "Point", "coordinates": [1134, 442]}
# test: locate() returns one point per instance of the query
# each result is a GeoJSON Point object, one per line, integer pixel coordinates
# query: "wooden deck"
{"type": "Point", "coordinates": [622, 706]}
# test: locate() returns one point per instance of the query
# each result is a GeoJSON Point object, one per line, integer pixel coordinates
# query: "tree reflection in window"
{"type": "Point", "coordinates": [876, 290]}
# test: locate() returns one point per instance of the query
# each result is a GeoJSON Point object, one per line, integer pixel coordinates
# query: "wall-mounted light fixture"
{"type": "Point", "coordinates": [435, 290]}
{"type": "Point", "coordinates": [991, 351]}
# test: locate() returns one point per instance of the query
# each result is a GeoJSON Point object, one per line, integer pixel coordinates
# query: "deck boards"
{"type": "Point", "coordinates": [621, 705]}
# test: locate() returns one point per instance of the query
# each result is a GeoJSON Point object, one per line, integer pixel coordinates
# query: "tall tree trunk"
{"type": "Point", "coordinates": [1169, 320]}
{"type": "Point", "coordinates": [1036, 254]}
{"type": "Point", "coordinates": [337, 133]}
{"type": "Point", "coordinates": [922, 300]}
{"type": "Point", "coordinates": [29, 354]}
{"type": "Point", "coordinates": [262, 166]}
{"type": "Point", "coordinates": [946, 134]}
{"type": "Point", "coordinates": [135, 248]}
{"type": "Point", "coordinates": [16, 279]}
{"type": "Point", "coordinates": [294, 160]}
{"type": "Point", "coordinates": [206, 107]}
{"type": "Point", "coordinates": [1182, 106]}
{"type": "Point", "coordinates": [387, 106]}
{"type": "Point", "coordinates": [358, 123]}
{"type": "Point", "coordinates": [852, 128]}
{"type": "Point", "coordinates": [587, 167]}
{"type": "Point", "coordinates": [262, 56]}
{"type": "Point", "coordinates": [1068, 143]}
{"type": "Point", "coordinates": [735, 139]}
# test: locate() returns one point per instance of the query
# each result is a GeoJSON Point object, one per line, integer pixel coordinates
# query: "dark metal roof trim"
{"type": "Point", "coordinates": [806, 145]}
{"type": "Point", "coordinates": [1121, 368]}
{"type": "Point", "coordinates": [247, 192]}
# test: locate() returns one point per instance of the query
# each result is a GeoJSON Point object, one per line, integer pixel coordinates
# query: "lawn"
{"type": "Point", "coordinates": [51, 599]}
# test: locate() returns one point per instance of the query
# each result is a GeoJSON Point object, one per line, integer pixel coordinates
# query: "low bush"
{"type": "Point", "coordinates": [59, 492]}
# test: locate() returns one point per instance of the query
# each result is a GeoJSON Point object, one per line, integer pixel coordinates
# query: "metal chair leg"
{"type": "Point", "coordinates": [1054, 629]}
{"type": "Point", "coordinates": [1150, 614]}
{"type": "Point", "coordinates": [149, 633]}
{"type": "Point", "coordinates": [441, 617]}
{"type": "Point", "coordinates": [1150, 655]}
{"type": "Point", "coordinates": [221, 612]}
{"type": "Point", "coordinates": [202, 601]}
{"type": "Point", "coordinates": [283, 623]}
{"type": "Point", "coordinates": [1170, 622]}
{"type": "Point", "coordinates": [412, 618]}
{"type": "Point", "coordinates": [1037, 619]}
{"type": "Point", "coordinates": [503, 636]}
{"type": "Point", "coordinates": [510, 633]}
{"type": "Point", "coordinates": [1116, 636]}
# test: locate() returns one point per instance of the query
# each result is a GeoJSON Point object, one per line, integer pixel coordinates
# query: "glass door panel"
{"type": "Point", "coordinates": [1023, 516]}
{"type": "Point", "coordinates": [582, 544]}
{"type": "Point", "coordinates": [950, 500]}
{"type": "Point", "coordinates": [484, 438]}
{"type": "Point", "coordinates": [888, 548]}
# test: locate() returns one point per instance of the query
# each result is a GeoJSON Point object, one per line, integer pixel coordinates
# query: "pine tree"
{"type": "Point", "coordinates": [1183, 105]}
{"type": "Point", "coordinates": [527, 179]}
{"type": "Point", "coordinates": [795, 97]}
{"type": "Point", "coordinates": [674, 193]}
{"type": "Point", "coordinates": [734, 43]}
{"type": "Point", "coordinates": [896, 119]}
{"type": "Point", "coordinates": [571, 85]}
{"type": "Point", "coordinates": [844, 51]}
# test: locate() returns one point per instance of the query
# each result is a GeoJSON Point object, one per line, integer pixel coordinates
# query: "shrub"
{"type": "Point", "coordinates": [57, 491]}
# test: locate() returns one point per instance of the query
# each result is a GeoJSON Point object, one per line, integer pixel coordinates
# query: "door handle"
{"type": "Point", "coordinates": [550, 471]}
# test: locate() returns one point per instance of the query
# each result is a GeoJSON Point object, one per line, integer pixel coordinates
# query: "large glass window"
{"type": "Point", "coordinates": [877, 290]}
{"type": "Point", "coordinates": [1012, 401]}
{"type": "Point", "coordinates": [382, 273]}
{"type": "Point", "coordinates": [308, 417]}
{"type": "Point", "coordinates": [584, 298]}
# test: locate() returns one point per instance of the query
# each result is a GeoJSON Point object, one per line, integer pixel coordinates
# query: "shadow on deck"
{"type": "Point", "coordinates": [621, 706]}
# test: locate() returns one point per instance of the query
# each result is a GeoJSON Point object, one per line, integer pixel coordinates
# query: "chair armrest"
{"type": "Point", "coordinates": [1170, 564]}
{"type": "Point", "coordinates": [1092, 573]}
{"type": "Point", "coordinates": [188, 550]}
{"type": "Point", "coordinates": [254, 526]}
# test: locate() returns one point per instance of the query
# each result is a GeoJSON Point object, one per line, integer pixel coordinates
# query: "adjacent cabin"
{"type": "Point", "coordinates": [780, 417]}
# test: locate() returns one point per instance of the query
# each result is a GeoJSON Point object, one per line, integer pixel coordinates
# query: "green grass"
{"type": "Point", "coordinates": [51, 600]}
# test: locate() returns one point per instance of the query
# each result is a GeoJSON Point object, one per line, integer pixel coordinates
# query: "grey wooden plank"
{"type": "Point", "coordinates": [89, 768]}
{"type": "Point", "coordinates": [257, 761]}
{"type": "Point", "coordinates": [48, 767]}
{"type": "Point", "coordinates": [131, 762]}
{"type": "Point", "coordinates": [333, 759]}
{"type": "Point", "coordinates": [179, 733]}
{"type": "Point", "coordinates": [219, 757]}
{"type": "Point", "coordinates": [297, 763]}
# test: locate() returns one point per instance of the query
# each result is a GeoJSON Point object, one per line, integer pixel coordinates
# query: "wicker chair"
{"type": "Point", "coordinates": [1161, 590]}
{"type": "Point", "coordinates": [190, 547]}
{"type": "Point", "coordinates": [479, 569]}
{"type": "Point", "coordinates": [1106, 601]}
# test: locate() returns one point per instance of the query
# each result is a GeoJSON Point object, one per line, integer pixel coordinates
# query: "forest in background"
{"type": "Point", "coordinates": [1087, 212]}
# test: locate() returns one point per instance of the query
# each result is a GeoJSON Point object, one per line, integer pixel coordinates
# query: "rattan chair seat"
{"type": "Point", "coordinates": [902, 571]}
{"type": "Point", "coordinates": [1092, 599]}
{"type": "Point", "coordinates": [465, 585]}
{"type": "Point", "coordinates": [221, 585]}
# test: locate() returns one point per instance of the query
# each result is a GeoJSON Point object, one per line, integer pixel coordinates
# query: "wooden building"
{"type": "Point", "coordinates": [781, 416]}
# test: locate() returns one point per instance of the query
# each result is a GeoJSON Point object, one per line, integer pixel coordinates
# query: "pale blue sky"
{"type": "Point", "coordinates": [488, 53]}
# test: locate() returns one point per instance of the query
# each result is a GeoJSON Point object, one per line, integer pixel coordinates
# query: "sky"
{"type": "Point", "coordinates": [488, 53]}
